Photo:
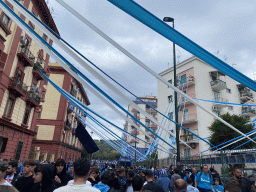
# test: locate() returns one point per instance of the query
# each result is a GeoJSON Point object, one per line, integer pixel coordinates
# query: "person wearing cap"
{"type": "Point", "coordinates": [164, 180]}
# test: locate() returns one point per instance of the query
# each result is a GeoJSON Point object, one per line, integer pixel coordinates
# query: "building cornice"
{"type": "Point", "coordinates": [16, 127]}
{"type": "Point", "coordinates": [46, 142]}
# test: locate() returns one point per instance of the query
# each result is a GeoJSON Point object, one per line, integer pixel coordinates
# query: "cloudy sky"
{"type": "Point", "coordinates": [224, 26]}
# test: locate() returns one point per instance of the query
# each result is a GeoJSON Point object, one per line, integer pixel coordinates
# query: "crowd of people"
{"type": "Point", "coordinates": [81, 175]}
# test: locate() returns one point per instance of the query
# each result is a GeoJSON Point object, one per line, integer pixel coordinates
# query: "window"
{"type": "Point", "coordinates": [9, 107]}
{"type": "Point", "coordinates": [216, 96]}
{"type": "Point", "coordinates": [43, 95]}
{"type": "Point", "coordinates": [35, 129]}
{"type": "Point", "coordinates": [228, 90]}
{"type": "Point", "coordinates": [26, 116]}
{"type": "Point", "coordinates": [187, 152]}
{"type": "Point", "coordinates": [38, 115]}
{"type": "Point", "coordinates": [183, 79]}
{"type": "Point", "coordinates": [45, 37]}
{"type": "Point", "coordinates": [170, 98]}
{"type": "Point", "coordinates": [6, 20]}
{"type": "Point", "coordinates": [18, 151]}
{"type": "Point", "coordinates": [185, 115]}
{"type": "Point", "coordinates": [230, 108]}
{"type": "Point", "coordinates": [170, 81]}
{"type": "Point", "coordinates": [170, 115]}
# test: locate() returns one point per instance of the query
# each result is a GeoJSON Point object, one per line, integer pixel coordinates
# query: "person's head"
{"type": "Point", "coordinates": [5, 160]}
{"type": "Point", "coordinates": [180, 185]}
{"type": "Point", "coordinates": [149, 175]}
{"type": "Point", "coordinates": [60, 164]}
{"type": "Point", "coordinates": [113, 166]}
{"type": "Point", "coordinates": [232, 186]}
{"type": "Point", "coordinates": [38, 174]}
{"type": "Point", "coordinates": [189, 181]}
{"type": "Point", "coordinates": [237, 173]}
{"type": "Point", "coordinates": [11, 168]}
{"type": "Point", "coordinates": [81, 168]}
{"type": "Point", "coordinates": [175, 170]}
{"type": "Point", "coordinates": [121, 172]}
{"type": "Point", "coordinates": [72, 169]}
{"type": "Point", "coordinates": [3, 168]}
{"type": "Point", "coordinates": [137, 183]}
{"type": "Point", "coordinates": [69, 160]}
{"type": "Point", "coordinates": [8, 188]}
{"type": "Point", "coordinates": [205, 169]}
{"type": "Point", "coordinates": [187, 174]}
{"type": "Point", "coordinates": [211, 170]}
{"type": "Point", "coordinates": [194, 171]}
{"type": "Point", "coordinates": [108, 178]}
{"type": "Point", "coordinates": [95, 171]}
{"type": "Point", "coordinates": [157, 167]}
{"type": "Point", "coordinates": [28, 167]}
{"type": "Point", "coordinates": [130, 174]}
{"type": "Point", "coordinates": [216, 181]}
{"type": "Point", "coordinates": [11, 159]}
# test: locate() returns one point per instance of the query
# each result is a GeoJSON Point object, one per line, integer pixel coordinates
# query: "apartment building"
{"type": "Point", "coordinates": [56, 122]}
{"type": "Point", "coordinates": [201, 81]}
{"type": "Point", "coordinates": [21, 85]}
{"type": "Point", "coordinates": [142, 146]}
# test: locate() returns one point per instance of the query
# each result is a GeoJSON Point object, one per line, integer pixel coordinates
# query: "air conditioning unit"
{"type": "Point", "coordinates": [23, 40]}
{"type": "Point", "coordinates": [37, 148]}
{"type": "Point", "coordinates": [193, 145]}
{"type": "Point", "coordinates": [38, 90]}
{"type": "Point", "coordinates": [214, 108]}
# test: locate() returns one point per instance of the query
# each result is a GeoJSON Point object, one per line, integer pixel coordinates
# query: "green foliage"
{"type": "Point", "coordinates": [109, 153]}
{"type": "Point", "coordinates": [221, 133]}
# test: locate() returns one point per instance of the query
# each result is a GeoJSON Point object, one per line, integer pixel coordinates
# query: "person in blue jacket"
{"type": "Point", "coordinates": [217, 187]}
{"type": "Point", "coordinates": [204, 180]}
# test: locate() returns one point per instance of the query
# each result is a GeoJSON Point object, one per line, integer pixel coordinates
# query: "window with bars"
{"type": "Point", "coordinates": [8, 108]}
{"type": "Point", "coordinates": [6, 20]}
{"type": "Point", "coordinates": [26, 116]}
{"type": "Point", "coordinates": [18, 151]}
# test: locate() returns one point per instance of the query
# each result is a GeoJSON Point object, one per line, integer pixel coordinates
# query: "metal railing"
{"type": "Point", "coordinates": [218, 82]}
{"type": "Point", "coordinates": [27, 52]}
{"type": "Point", "coordinates": [189, 117]}
{"type": "Point", "coordinates": [34, 96]}
{"type": "Point", "coordinates": [220, 99]}
{"type": "Point", "coordinates": [248, 110]}
{"type": "Point", "coordinates": [17, 83]}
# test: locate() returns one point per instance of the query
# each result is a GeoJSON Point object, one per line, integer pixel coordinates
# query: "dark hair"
{"type": "Point", "coordinates": [29, 162]}
{"type": "Point", "coordinates": [95, 169]}
{"type": "Point", "coordinates": [216, 179]}
{"type": "Point", "coordinates": [113, 166]}
{"type": "Point", "coordinates": [81, 167]}
{"type": "Point", "coordinates": [14, 164]}
{"type": "Point", "coordinates": [137, 183]}
{"type": "Point", "coordinates": [3, 166]}
{"type": "Point", "coordinates": [186, 172]}
{"type": "Point", "coordinates": [149, 174]}
{"type": "Point", "coordinates": [130, 173]}
{"type": "Point", "coordinates": [60, 162]}
{"type": "Point", "coordinates": [175, 170]}
{"type": "Point", "coordinates": [108, 178]}
{"type": "Point", "coordinates": [38, 168]}
{"type": "Point", "coordinates": [212, 169]}
{"type": "Point", "coordinates": [189, 181]}
{"type": "Point", "coordinates": [121, 170]}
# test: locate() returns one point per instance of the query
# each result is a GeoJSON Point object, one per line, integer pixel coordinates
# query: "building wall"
{"type": "Point", "coordinates": [201, 89]}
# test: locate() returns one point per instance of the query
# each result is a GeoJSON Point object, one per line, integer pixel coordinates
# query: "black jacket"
{"type": "Point", "coordinates": [47, 180]}
{"type": "Point", "coordinates": [25, 184]}
{"type": "Point", "coordinates": [15, 179]}
{"type": "Point", "coordinates": [64, 176]}
{"type": "Point", "coordinates": [97, 180]}
{"type": "Point", "coordinates": [154, 187]}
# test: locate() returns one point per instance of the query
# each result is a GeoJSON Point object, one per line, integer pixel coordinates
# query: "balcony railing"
{"type": "Point", "coordinates": [26, 56]}
{"type": "Point", "coordinates": [188, 118]}
{"type": "Point", "coordinates": [73, 92]}
{"type": "Point", "coordinates": [187, 82]}
{"type": "Point", "coordinates": [218, 85]}
{"type": "Point", "coordinates": [68, 124]}
{"type": "Point", "coordinates": [17, 88]}
{"type": "Point", "coordinates": [246, 94]}
{"type": "Point", "coordinates": [248, 110]}
{"type": "Point", "coordinates": [33, 98]}
{"type": "Point", "coordinates": [220, 99]}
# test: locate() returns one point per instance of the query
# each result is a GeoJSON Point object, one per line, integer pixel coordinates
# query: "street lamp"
{"type": "Point", "coordinates": [169, 19]}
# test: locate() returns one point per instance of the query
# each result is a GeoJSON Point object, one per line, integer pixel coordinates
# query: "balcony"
{"type": "Point", "coordinates": [187, 82]}
{"type": "Point", "coordinates": [17, 88]}
{"type": "Point", "coordinates": [219, 106]}
{"type": "Point", "coordinates": [218, 85]}
{"type": "Point", "coordinates": [185, 101]}
{"type": "Point", "coordinates": [33, 99]}
{"type": "Point", "coordinates": [68, 125]}
{"type": "Point", "coordinates": [248, 111]}
{"type": "Point", "coordinates": [73, 92]}
{"type": "Point", "coordinates": [135, 132]}
{"type": "Point", "coordinates": [37, 67]}
{"type": "Point", "coordinates": [245, 96]}
{"type": "Point", "coordinates": [188, 118]}
{"type": "Point", "coordinates": [26, 56]}
{"type": "Point", "coordinates": [190, 138]}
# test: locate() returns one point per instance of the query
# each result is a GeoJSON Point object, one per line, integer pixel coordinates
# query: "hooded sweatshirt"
{"type": "Point", "coordinates": [64, 176]}
{"type": "Point", "coordinates": [102, 187]}
{"type": "Point", "coordinates": [47, 180]}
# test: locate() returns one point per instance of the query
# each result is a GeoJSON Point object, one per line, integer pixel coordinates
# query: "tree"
{"type": "Point", "coordinates": [221, 133]}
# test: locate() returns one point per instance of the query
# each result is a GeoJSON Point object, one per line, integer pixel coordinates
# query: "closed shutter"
{"type": "Point", "coordinates": [18, 152]}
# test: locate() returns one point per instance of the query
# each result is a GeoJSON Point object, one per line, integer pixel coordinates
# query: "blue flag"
{"type": "Point", "coordinates": [86, 140]}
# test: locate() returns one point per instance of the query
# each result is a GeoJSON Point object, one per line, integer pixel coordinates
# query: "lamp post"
{"type": "Point", "coordinates": [169, 19]}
